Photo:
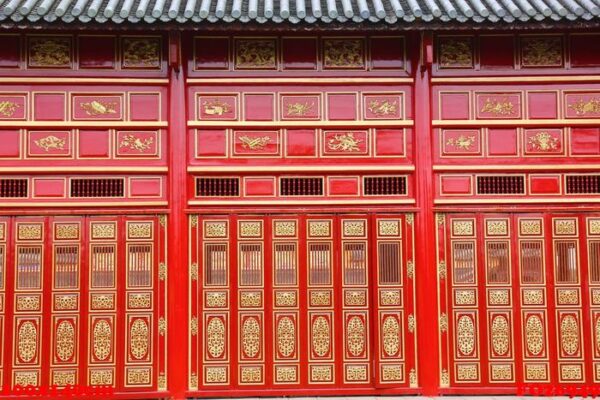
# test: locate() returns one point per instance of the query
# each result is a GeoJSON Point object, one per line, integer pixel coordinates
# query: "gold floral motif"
{"type": "Point", "coordinates": [162, 326]}
{"type": "Point", "coordinates": [26, 378]}
{"type": "Point", "coordinates": [500, 335]}
{"type": "Point", "coordinates": [320, 299]}
{"type": "Point", "coordinates": [63, 378]}
{"type": "Point", "coordinates": [356, 373]}
{"type": "Point", "coordinates": [50, 142]}
{"type": "Point", "coordinates": [65, 302]}
{"type": "Point", "coordinates": [444, 378]}
{"type": "Point", "coordinates": [501, 372]}
{"type": "Point", "coordinates": [193, 221]}
{"type": "Point", "coordinates": [256, 54]}
{"type": "Point", "coordinates": [28, 303]}
{"type": "Point", "coordinates": [139, 338]}
{"type": "Point", "coordinates": [250, 229]}
{"type": "Point", "coordinates": [344, 142]}
{"type": "Point", "coordinates": [534, 334]}
{"type": "Point", "coordinates": [216, 299]}
{"type": "Point", "coordinates": [319, 228]}
{"type": "Point", "coordinates": [138, 376]}
{"type": "Point", "coordinates": [101, 377]}
{"type": "Point", "coordinates": [410, 269]}
{"type": "Point", "coordinates": [102, 340]}
{"type": "Point", "coordinates": [543, 141]}
{"type": "Point", "coordinates": [571, 373]}
{"type": "Point", "coordinates": [355, 298]}
{"type": "Point", "coordinates": [497, 227]}
{"type": "Point", "coordinates": [254, 142]}
{"type": "Point", "coordinates": [498, 107]}
{"type": "Point", "coordinates": [103, 302]}
{"type": "Point", "coordinates": [541, 52]}
{"type": "Point", "coordinates": [456, 53]}
{"type": "Point", "coordinates": [27, 339]}
{"type": "Point", "coordinates": [568, 297]}
{"type": "Point", "coordinates": [390, 297]}
{"type": "Point", "coordinates": [50, 52]}
{"type": "Point", "coordinates": [343, 53]}
{"type": "Point", "coordinates": [193, 381]}
{"type": "Point", "coordinates": [321, 374]}
{"type": "Point", "coordinates": [411, 323]}
{"type": "Point", "coordinates": [594, 227]}
{"type": "Point", "coordinates": [285, 299]}
{"type": "Point", "coordinates": [582, 107]}
{"type": "Point", "coordinates": [391, 373]}
{"type": "Point", "coordinates": [285, 228]}
{"type": "Point", "coordinates": [383, 107]}
{"type": "Point", "coordinates": [462, 228]}
{"type": "Point", "coordinates": [139, 230]}
{"type": "Point", "coordinates": [467, 372]}
{"type": "Point", "coordinates": [569, 335]}
{"type": "Point", "coordinates": [251, 375]}
{"type": "Point", "coordinates": [286, 374]}
{"type": "Point", "coordinates": [440, 218]}
{"type": "Point", "coordinates": [355, 336]}
{"type": "Point", "coordinates": [442, 269]}
{"type": "Point", "coordinates": [286, 336]}
{"type": "Point", "coordinates": [321, 336]}
{"type": "Point", "coordinates": [299, 109]}
{"type": "Point", "coordinates": [499, 297]}
{"type": "Point", "coordinates": [215, 337]}
{"type": "Point", "coordinates": [389, 227]}
{"type": "Point", "coordinates": [141, 53]}
{"type": "Point", "coordinates": [533, 297]}
{"type": "Point", "coordinates": [597, 333]}
{"type": "Point", "coordinates": [215, 229]}
{"type": "Point", "coordinates": [354, 228]}
{"type": "Point", "coordinates": [162, 271]}
{"type": "Point", "coordinates": [251, 335]}
{"type": "Point", "coordinates": [530, 226]}
{"type": "Point", "coordinates": [97, 107]}
{"type": "Point", "coordinates": [390, 332]}
{"type": "Point", "coordinates": [463, 142]}
{"type": "Point", "coordinates": [564, 227]}
{"type": "Point", "coordinates": [161, 382]}
{"type": "Point", "coordinates": [194, 271]}
{"type": "Point", "coordinates": [464, 298]}
{"type": "Point", "coordinates": [65, 340]}
{"type": "Point", "coordinates": [536, 372]}
{"type": "Point", "coordinates": [412, 378]}
{"type": "Point", "coordinates": [216, 107]}
{"type": "Point", "coordinates": [596, 297]}
{"type": "Point", "coordinates": [194, 325]}
{"type": "Point", "coordinates": [465, 335]}
{"type": "Point", "coordinates": [67, 231]}
{"type": "Point", "coordinates": [8, 108]}
{"type": "Point", "coordinates": [135, 143]}
{"type": "Point", "coordinates": [162, 220]}
{"type": "Point", "coordinates": [443, 322]}
{"type": "Point", "coordinates": [251, 299]}
{"type": "Point", "coordinates": [103, 231]}
{"type": "Point", "coordinates": [216, 375]}
{"type": "Point", "coordinates": [410, 218]}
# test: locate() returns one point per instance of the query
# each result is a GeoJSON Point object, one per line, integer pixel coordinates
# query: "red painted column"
{"type": "Point", "coordinates": [177, 261]}
{"type": "Point", "coordinates": [426, 268]}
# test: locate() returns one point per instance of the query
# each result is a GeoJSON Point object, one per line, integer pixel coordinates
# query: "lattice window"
{"type": "Point", "coordinates": [583, 184]}
{"type": "Point", "coordinates": [384, 185]}
{"type": "Point", "coordinates": [463, 257]}
{"type": "Point", "coordinates": [501, 184]}
{"type": "Point", "coordinates": [498, 262]}
{"type": "Point", "coordinates": [286, 264]}
{"type": "Point", "coordinates": [10, 187]}
{"type": "Point", "coordinates": [98, 187]}
{"type": "Point", "coordinates": [594, 259]}
{"type": "Point", "coordinates": [139, 268]}
{"type": "Point", "coordinates": [319, 263]}
{"type": "Point", "coordinates": [355, 263]}
{"type": "Point", "coordinates": [215, 264]}
{"type": "Point", "coordinates": [566, 268]}
{"type": "Point", "coordinates": [301, 186]}
{"type": "Point", "coordinates": [29, 267]}
{"type": "Point", "coordinates": [389, 260]}
{"type": "Point", "coordinates": [532, 262]}
{"type": "Point", "coordinates": [103, 266]}
{"type": "Point", "coordinates": [217, 187]}
{"type": "Point", "coordinates": [66, 267]}
{"type": "Point", "coordinates": [251, 264]}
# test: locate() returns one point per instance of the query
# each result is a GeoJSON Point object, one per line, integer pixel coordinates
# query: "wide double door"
{"type": "Point", "coordinates": [323, 301]}
{"type": "Point", "coordinates": [520, 298]}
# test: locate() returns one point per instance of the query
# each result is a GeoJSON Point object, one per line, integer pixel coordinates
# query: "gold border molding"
{"type": "Point", "coordinates": [293, 202]}
{"type": "Point", "coordinates": [84, 124]}
{"type": "Point", "coordinates": [299, 80]}
{"type": "Point", "coordinates": [305, 168]}
{"type": "Point", "coordinates": [29, 204]}
{"type": "Point", "coordinates": [518, 79]}
{"type": "Point", "coordinates": [307, 124]}
{"type": "Point", "coordinates": [45, 170]}
{"type": "Point", "coordinates": [515, 167]}
{"type": "Point", "coordinates": [517, 201]}
{"type": "Point", "coordinates": [516, 122]}
{"type": "Point", "coordinates": [117, 81]}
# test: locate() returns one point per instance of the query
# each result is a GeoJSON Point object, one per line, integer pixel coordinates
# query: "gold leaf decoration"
{"type": "Point", "coordinates": [254, 143]}
{"type": "Point", "coordinates": [97, 107]}
{"type": "Point", "coordinates": [299, 109]}
{"type": "Point", "coordinates": [141, 53]}
{"type": "Point", "coordinates": [462, 142]}
{"type": "Point", "coordinates": [344, 142]}
{"type": "Point", "coordinates": [50, 52]}
{"type": "Point", "coordinates": [456, 53]}
{"type": "Point", "coordinates": [135, 143]}
{"type": "Point", "coordinates": [443, 322]}
{"type": "Point", "coordinates": [541, 51]}
{"type": "Point", "coordinates": [216, 107]}
{"type": "Point", "coordinates": [543, 141]}
{"type": "Point", "coordinates": [255, 54]}
{"type": "Point", "coordinates": [383, 107]}
{"type": "Point", "coordinates": [343, 53]}
{"type": "Point", "coordinates": [50, 142]}
{"type": "Point", "coordinates": [582, 107]}
{"type": "Point", "coordinates": [8, 108]}
{"type": "Point", "coordinates": [498, 107]}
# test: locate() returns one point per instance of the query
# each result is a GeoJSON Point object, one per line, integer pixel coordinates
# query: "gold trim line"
{"type": "Point", "coordinates": [286, 201]}
{"type": "Point", "coordinates": [87, 204]}
{"type": "Point", "coordinates": [82, 169]}
{"type": "Point", "coordinates": [313, 124]}
{"type": "Point", "coordinates": [516, 201]}
{"type": "Point", "coordinates": [294, 168]}
{"type": "Point", "coordinates": [54, 80]}
{"type": "Point", "coordinates": [518, 79]}
{"type": "Point", "coordinates": [513, 167]}
{"type": "Point", "coordinates": [516, 122]}
{"type": "Point", "coordinates": [77, 124]}
{"type": "Point", "coordinates": [299, 80]}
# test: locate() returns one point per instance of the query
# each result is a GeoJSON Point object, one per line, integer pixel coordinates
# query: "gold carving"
{"type": "Point", "coordinates": [355, 298]}
{"type": "Point", "coordinates": [464, 297]}
{"type": "Point", "coordinates": [103, 302]}
{"type": "Point", "coordinates": [299, 109]}
{"type": "Point", "coordinates": [389, 227]}
{"type": "Point", "coordinates": [251, 335]}
{"type": "Point", "coordinates": [67, 231]}
{"type": "Point", "coordinates": [564, 227]}
{"type": "Point", "coordinates": [569, 335]}
{"type": "Point", "coordinates": [103, 231]}
{"type": "Point", "coordinates": [65, 340]}
{"type": "Point", "coordinates": [500, 335]}
{"type": "Point", "coordinates": [135, 143]}
{"type": "Point", "coordinates": [193, 382]}
{"type": "Point", "coordinates": [356, 373]}
{"type": "Point", "coordinates": [27, 339]}
{"type": "Point", "coordinates": [162, 220]}
{"type": "Point", "coordinates": [582, 107]}
{"type": "Point", "coordinates": [286, 374]}
{"type": "Point", "coordinates": [412, 378]}
{"type": "Point", "coordinates": [193, 221]}
{"type": "Point", "coordinates": [355, 336]}
{"type": "Point", "coordinates": [194, 326]}
{"type": "Point", "coordinates": [463, 142]}
{"type": "Point", "coordinates": [256, 54]}
{"type": "Point", "coordinates": [543, 141]}
{"type": "Point", "coordinates": [251, 375]}
{"type": "Point", "coordinates": [216, 299]}
{"type": "Point", "coordinates": [251, 299]}
{"type": "Point", "coordinates": [444, 378]}
{"type": "Point", "coordinates": [440, 218]}
{"type": "Point", "coordinates": [321, 336]}
{"type": "Point", "coordinates": [541, 52]}
{"type": "Point", "coordinates": [141, 53]}
{"type": "Point", "coordinates": [530, 226]}
{"type": "Point", "coordinates": [138, 376]}
{"type": "Point", "coordinates": [285, 299]}
{"type": "Point", "coordinates": [536, 372]}
{"type": "Point", "coordinates": [285, 228]}
{"type": "Point", "coordinates": [501, 372]}
{"type": "Point", "coordinates": [497, 227]}
{"type": "Point", "coordinates": [162, 271]}
{"type": "Point", "coordinates": [215, 337]}
{"type": "Point", "coordinates": [162, 326]}
{"type": "Point", "coordinates": [443, 322]}
{"type": "Point", "coordinates": [410, 269]}
{"type": "Point", "coordinates": [63, 378]}
{"type": "Point", "coordinates": [411, 323]}
{"type": "Point", "coordinates": [250, 228]}
{"type": "Point", "coordinates": [343, 53]}
{"type": "Point", "coordinates": [139, 230]}
{"type": "Point", "coordinates": [30, 231]}
{"type": "Point", "coordinates": [26, 378]}
{"type": "Point", "coordinates": [499, 297]}
{"type": "Point", "coordinates": [161, 382]}
{"type": "Point", "coordinates": [138, 300]}
{"type": "Point", "coordinates": [344, 142]}
{"type": "Point", "coordinates": [28, 303]}
{"type": "Point", "coordinates": [321, 373]}
{"type": "Point", "coordinates": [286, 336]}
{"type": "Point", "coordinates": [319, 228]}
{"type": "Point", "coordinates": [383, 107]}
{"type": "Point", "coordinates": [568, 297]}
{"type": "Point", "coordinates": [465, 335]}
{"type": "Point", "coordinates": [442, 269]}
{"type": "Point", "coordinates": [410, 218]}
{"type": "Point", "coordinates": [216, 107]}
{"type": "Point", "coordinates": [596, 298]}
{"type": "Point", "coordinates": [216, 375]}
{"type": "Point", "coordinates": [8, 108]}
{"type": "Point", "coordinates": [390, 297]}
{"type": "Point", "coordinates": [96, 107]}
{"type": "Point", "coordinates": [140, 338]}
{"type": "Point", "coordinates": [391, 373]}
{"type": "Point", "coordinates": [65, 302]}
{"type": "Point", "coordinates": [194, 271]}
{"type": "Point", "coordinates": [571, 373]}
{"type": "Point", "coordinates": [254, 142]}
{"type": "Point", "coordinates": [102, 342]}
{"type": "Point", "coordinates": [101, 377]}
{"type": "Point", "coordinates": [390, 332]}
{"type": "Point", "coordinates": [320, 299]}
{"type": "Point", "coordinates": [462, 228]}
{"type": "Point", "coordinates": [534, 334]}
{"type": "Point", "coordinates": [456, 53]}
{"type": "Point", "coordinates": [498, 107]}
{"type": "Point", "coordinates": [215, 229]}
{"type": "Point", "coordinates": [50, 142]}
{"type": "Point", "coordinates": [50, 52]}
{"type": "Point", "coordinates": [466, 372]}
{"type": "Point", "coordinates": [594, 227]}
{"type": "Point", "coordinates": [533, 297]}
{"type": "Point", "coordinates": [354, 228]}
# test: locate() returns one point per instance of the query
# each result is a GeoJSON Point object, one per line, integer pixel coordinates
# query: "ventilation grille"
{"type": "Point", "coordinates": [13, 188]}
{"type": "Point", "coordinates": [97, 187]}
{"type": "Point", "coordinates": [500, 184]}
{"type": "Point", "coordinates": [385, 185]}
{"type": "Point", "coordinates": [583, 184]}
{"type": "Point", "coordinates": [217, 187]}
{"type": "Point", "coordinates": [301, 186]}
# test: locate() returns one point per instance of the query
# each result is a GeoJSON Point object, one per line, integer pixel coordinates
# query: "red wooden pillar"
{"type": "Point", "coordinates": [426, 268]}
{"type": "Point", "coordinates": [177, 259]}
